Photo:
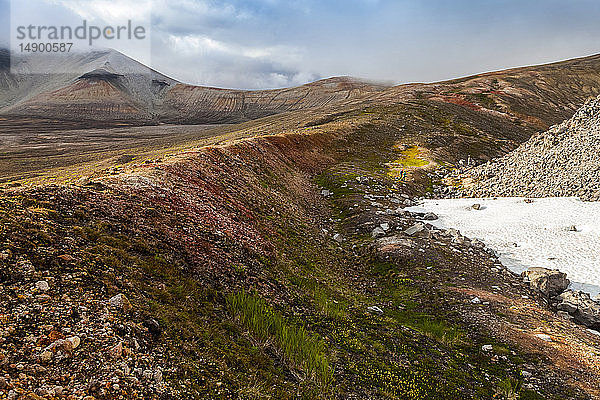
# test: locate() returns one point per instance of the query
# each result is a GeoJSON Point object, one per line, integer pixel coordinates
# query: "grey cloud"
{"type": "Point", "coordinates": [274, 43]}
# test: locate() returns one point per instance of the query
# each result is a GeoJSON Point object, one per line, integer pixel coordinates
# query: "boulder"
{"type": "Point", "coordinates": [568, 306]}
{"type": "Point", "coordinates": [581, 307]}
{"type": "Point", "coordinates": [377, 232]}
{"type": "Point", "coordinates": [413, 230]}
{"type": "Point", "coordinates": [551, 282]}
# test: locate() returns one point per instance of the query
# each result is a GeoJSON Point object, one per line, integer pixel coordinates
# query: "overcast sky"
{"type": "Point", "coordinates": [276, 43]}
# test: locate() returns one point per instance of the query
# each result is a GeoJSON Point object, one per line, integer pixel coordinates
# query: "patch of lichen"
{"type": "Point", "coordinates": [411, 157]}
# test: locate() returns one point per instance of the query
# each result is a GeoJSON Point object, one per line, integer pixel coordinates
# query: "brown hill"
{"type": "Point", "coordinates": [109, 86]}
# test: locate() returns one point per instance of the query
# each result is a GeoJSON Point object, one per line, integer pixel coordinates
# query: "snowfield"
{"type": "Point", "coordinates": [531, 234]}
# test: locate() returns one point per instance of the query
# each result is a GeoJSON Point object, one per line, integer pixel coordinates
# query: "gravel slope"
{"type": "Point", "coordinates": [564, 161]}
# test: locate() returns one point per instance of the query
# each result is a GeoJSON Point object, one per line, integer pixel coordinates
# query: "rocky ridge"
{"type": "Point", "coordinates": [562, 161]}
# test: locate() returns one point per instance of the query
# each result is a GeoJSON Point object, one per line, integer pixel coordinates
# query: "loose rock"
{"type": "Point", "coordinates": [120, 301]}
{"type": "Point", "coordinates": [375, 310]}
{"type": "Point", "coordinates": [42, 285]}
{"type": "Point", "coordinates": [550, 282]}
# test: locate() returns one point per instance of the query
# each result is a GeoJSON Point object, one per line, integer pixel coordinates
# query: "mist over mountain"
{"type": "Point", "coordinates": [107, 85]}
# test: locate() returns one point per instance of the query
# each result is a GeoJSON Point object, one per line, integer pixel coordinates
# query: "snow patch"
{"type": "Point", "coordinates": [531, 234]}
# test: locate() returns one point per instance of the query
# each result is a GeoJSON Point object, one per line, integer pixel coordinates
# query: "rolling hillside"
{"type": "Point", "coordinates": [272, 258]}
{"type": "Point", "coordinates": [109, 86]}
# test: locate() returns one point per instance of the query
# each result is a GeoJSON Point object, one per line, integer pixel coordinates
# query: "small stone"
{"type": "Point", "coordinates": [120, 301]}
{"type": "Point", "coordinates": [430, 216]}
{"type": "Point", "coordinates": [46, 356]}
{"type": "Point", "coordinates": [83, 181]}
{"type": "Point", "coordinates": [377, 232]}
{"type": "Point", "coordinates": [42, 285]}
{"type": "Point", "coordinates": [338, 238]}
{"type": "Point", "coordinates": [116, 351]}
{"type": "Point", "coordinates": [158, 376]}
{"type": "Point", "coordinates": [153, 326]}
{"type": "Point", "coordinates": [375, 310]}
{"type": "Point", "coordinates": [477, 243]}
{"type": "Point", "coordinates": [147, 375]}
{"type": "Point", "coordinates": [572, 228]}
{"type": "Point", "coordinates": [476, 206]}
{"type": "Point", "coordinates": [476, 300]}
{"type": "Point", "coordinates": [93, 386]}
{"type": "Point", "coordinates": [413, 230]}
{"type": "Point", "coordinates": [487, 347]}
{"type": "Point", "coordinates": [385, 226]}
{"type": "Point", "coordinates": [75, 341]}
{"type": "Point", "coordinates": [40, 394]}
{"type": "Point", "coordinates": [42, 298]}
{"type": "Point", "coordinates": [544, 337]}
{"type": "Point", "coordinates": [567, 307]}
{"type": "Point", "coordinates": [63, 345]}
{"type": "Point", "coordinates": [564, 315]}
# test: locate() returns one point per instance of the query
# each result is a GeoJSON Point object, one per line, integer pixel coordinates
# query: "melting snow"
{"type": "Point", "coordinates": [531, 234]}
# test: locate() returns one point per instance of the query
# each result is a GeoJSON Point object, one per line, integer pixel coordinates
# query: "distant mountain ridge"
{"type": "Point", "coordinates": [108, 85]}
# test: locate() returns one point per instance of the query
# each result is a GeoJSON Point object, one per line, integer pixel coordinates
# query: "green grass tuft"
{"type": "Point", "coordinates": [305, 350]}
